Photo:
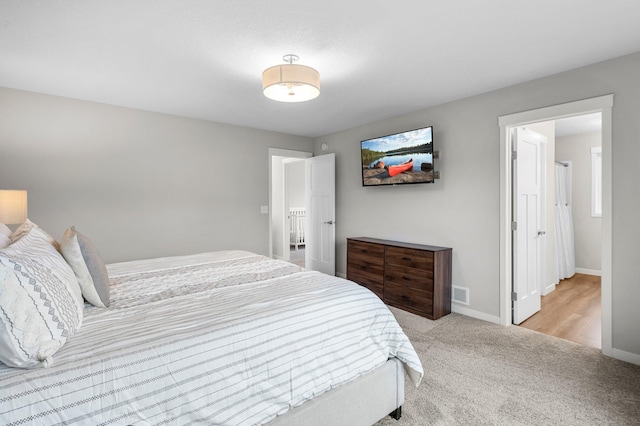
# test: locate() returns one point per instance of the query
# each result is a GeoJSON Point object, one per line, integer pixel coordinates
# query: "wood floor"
{"type": "Point", "coordinates": [297, 256]}
{"type": "Point", "coordinates": [573, 311]}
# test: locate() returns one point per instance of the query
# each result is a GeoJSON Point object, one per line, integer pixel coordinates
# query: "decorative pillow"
{"type": "Point", "coordinates": [22, 230]}
{"type": "Point", "coordinates": [5, 230]}
{"type": "Point", "coordinates": [5, 233]}
{"type": "Point", "coordinates": [4, 241]}
{"type": "Point", "coordinates": [26, 227]}
{"type": "Point", "coordinates": [40, 303]}
{"type": "Point", "coordinates": [88, 266]}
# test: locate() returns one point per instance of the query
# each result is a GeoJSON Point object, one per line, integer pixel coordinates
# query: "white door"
{"type": "Point", "coordinates": [528, 236]}
{"type": "Point", "coordinates": [320, 251]}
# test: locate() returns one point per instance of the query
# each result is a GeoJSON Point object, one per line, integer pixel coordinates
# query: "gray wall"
{"type": "Point", "coordinates": [587, 229]}
{"type": "Point", "coordinates": [462, 209]}
{"type": "Point", "coordinates": [139, 184]}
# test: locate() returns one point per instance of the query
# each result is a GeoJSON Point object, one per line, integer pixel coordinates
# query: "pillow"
{"type": "Point", "coordinates": [4, 241]}
{"type": "Point", "coordinates": [40, 303]}
{"type": "Point", "coordinates": [22, 230]}
{"type": "Point", "coordinates": [5, 233]}
{"type": "Point", "coordinates": [26, 227]}
{"type": "Point", "coordinates": [5, 230]}
{"type": "Point", "coordinates": [88, 266]}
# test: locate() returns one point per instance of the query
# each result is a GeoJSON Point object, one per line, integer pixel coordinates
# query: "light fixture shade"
{"type": "Point", "coordinates": [291, 83]}
{"type": "Point", "coordinates": [13, 206]}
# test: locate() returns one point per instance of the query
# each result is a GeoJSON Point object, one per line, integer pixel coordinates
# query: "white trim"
{"type": "Point", "coordinates": [604, 105]}
{"type": "Point", "coordinates": [589, 272]}
{"type": "Point", "coordinates": [548, 289]}
{"type": "Point", "coordinates": [596, 181]}
{"type": "Point", "coordinates": [474, 314]}
{"type": "Point", "coordinates": [341, 275]}
{"type": "Point", "coordinates": [570, 109]}
{"type": "Point", "coordinates": [624, 356]}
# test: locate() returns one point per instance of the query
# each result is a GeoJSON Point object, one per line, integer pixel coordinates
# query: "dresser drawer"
{"type": "Point", "coordinates": [367, 276]}
{"type": "Point", "coordinates": [411, 258]}
{"type": "Point", "coordinates": [365, 265]}
{"type": "Point", "coordinates": [416, 279]}
{"type": "Point", "coordinates": [416, 301]}
{"type": "Point", "coordinates": [359, 250]}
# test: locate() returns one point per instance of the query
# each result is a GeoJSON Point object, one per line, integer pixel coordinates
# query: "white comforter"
{"type": "Point", "coordinates": [217, 338]}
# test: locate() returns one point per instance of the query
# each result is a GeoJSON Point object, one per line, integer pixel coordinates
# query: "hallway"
{"type": "Point", "coordinates": [572, 312]}
{"type": "Point", "coordinates": [297, 256]}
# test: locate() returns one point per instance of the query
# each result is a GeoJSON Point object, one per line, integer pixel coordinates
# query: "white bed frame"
{"type": "Point", "coordinates": [363, 401]}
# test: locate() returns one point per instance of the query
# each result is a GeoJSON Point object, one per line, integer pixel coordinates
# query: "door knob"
{"type": "Point", "coordinates": [329, 222]}
{"type": "Point", "coordinates": [541, 233]}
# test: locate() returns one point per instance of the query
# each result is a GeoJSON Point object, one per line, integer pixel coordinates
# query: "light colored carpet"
{"type": "Point", "coordinates": [478, 373]}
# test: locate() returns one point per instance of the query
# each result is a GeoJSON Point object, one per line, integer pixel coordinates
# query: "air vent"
{"type": "Point", "coordinates": [460, 295]}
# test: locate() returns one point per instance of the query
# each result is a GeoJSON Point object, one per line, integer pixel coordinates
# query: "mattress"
{"type": "Point", "coordinates": [224, 338]}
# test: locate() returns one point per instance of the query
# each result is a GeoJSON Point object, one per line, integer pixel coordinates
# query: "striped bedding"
{"type": "Point", "coordinates": [222, 338]}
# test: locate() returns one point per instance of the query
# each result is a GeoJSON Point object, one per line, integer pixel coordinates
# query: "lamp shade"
{"type": "Point", "coordinates": [13, 206]}
{"type": "Point", "coordinates": [291, 83]}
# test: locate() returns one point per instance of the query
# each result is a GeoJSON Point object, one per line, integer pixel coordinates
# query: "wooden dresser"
{"type": "Point", "coordinates": [412, 277]}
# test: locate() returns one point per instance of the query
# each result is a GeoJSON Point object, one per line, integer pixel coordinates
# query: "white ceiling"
{"type": "Point", "coordinates": [377, 58]}
{"type": "Point", "coordinates": [578, 124]}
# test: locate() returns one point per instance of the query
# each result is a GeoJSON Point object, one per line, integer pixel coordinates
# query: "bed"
{"type": "Point", "coordinates": [227, 337]}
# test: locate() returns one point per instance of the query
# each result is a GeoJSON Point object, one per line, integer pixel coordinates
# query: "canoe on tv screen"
{"type": "Point", "coordinates": [397, 159]}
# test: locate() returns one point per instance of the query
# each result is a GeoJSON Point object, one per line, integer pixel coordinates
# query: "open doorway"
{"type": "Point", "coordinates": [287, 239]}
{"type": "Point", "coordinates": [295, 214]}
{"type": "Point", "coordinates": [571, 288]}
{"type": "Point", "coordinates": [507, 123]}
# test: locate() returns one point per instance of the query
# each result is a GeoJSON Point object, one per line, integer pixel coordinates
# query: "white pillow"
{"type": "Point", "coordinates": [5, 230]}
{"type": "Point", "coordinates": [5, 233]}
{"type": "Point", "coordinates": [4, 241]}
{"type": "Point", "coordinates": [84, 259]}
{"type": "Point", "coordinates": [41, 304]}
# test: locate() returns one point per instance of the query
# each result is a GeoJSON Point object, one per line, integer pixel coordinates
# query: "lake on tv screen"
{"type": "Point", "coordinates": [392, 160]}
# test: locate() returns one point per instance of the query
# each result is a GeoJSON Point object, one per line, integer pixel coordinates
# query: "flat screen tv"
{"type": "Point", "coordinates": [400, 158]}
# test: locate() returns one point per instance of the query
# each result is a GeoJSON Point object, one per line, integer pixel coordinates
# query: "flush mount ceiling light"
{"type": "Point", "coordinates": [291, 82]}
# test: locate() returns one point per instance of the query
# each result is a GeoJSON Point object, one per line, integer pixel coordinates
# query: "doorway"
{"type": "Point", "coordinates": [319, 206]}
{"type": "Point", "coordinates": [286, 192]}
{"type": "Point", "coordinates": [604, 106]}
{"type": "Point", "coordinates": [571, 289]}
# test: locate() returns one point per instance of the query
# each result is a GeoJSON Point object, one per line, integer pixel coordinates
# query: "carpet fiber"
{"type": "Point", "coordinates": [478, 373]}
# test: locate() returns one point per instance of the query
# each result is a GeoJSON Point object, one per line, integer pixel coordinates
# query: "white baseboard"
{"type": "Point", "coordinates": [341, 275]}
{"type": "Point", "coordinates": [275, 256]}
{"type": "Point", "coordinates": [623, 356]}
{"type": "Point", "coordinates": [549, 289]}
{"type": "Point", "coordinates": [474, 314]}
{"type": "Point", "coordinates": [589, 272]}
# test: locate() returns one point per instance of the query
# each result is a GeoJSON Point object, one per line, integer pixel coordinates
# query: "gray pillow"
{"type": "Point", "coordinates": [84, 259]}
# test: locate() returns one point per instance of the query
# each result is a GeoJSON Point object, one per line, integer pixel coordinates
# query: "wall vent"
{"type": "Point", "coordinates": [460, 295]}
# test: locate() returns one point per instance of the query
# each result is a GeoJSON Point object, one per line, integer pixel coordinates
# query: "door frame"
{"type": "Point", "coordinates": [604, 105]}
{"type": "Point", "coordinates": [279, 152]}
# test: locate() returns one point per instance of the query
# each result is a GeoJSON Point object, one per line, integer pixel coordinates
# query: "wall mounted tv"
{"type": "Point", "coordinates": [400, 158]}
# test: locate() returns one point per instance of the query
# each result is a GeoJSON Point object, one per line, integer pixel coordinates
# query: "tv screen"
{"type": "Point", "coordinates": [401, 158]}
